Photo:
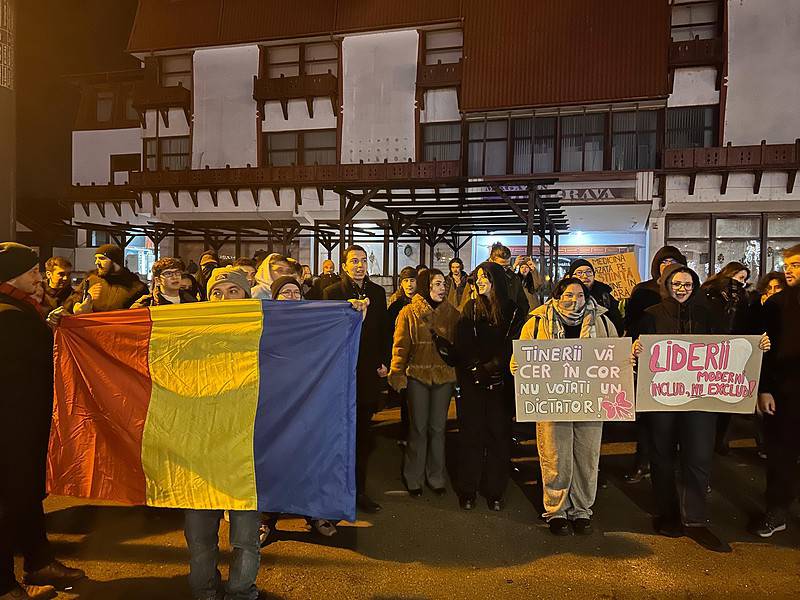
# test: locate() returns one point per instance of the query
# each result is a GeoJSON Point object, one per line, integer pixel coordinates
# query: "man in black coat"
{"type": "Point", "coordinates": [501, 255]}
{"type": "Point", "coordinates": [778, 398]}
{"type": "Point", "coordinates": [373, 356]}
{"type": "Point", "coordinates": [601, 292]}
{"type": "Point", "coordinates": [324, 281]}
{"type": "Point", "coordinates": [26, 403]}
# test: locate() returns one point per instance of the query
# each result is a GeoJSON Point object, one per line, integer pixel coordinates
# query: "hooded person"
{"type": "Point", "coordinates": [26, 369]}
{"type": "Point", "coordinates": [111, 286]}
{"type": "Point", "coordinates": [569, 452]}
{"type": "Point", "coordinates": [646, 294]}
{"type": "Point", "coordinates": [273, 266]}
{"type": "Point", "coordinates": [208, 262]}
{"type": "Point", "coordinates": [403, 294]}
{"type": "Point", "coordinates": [681, 311]}
{"type": "Point", "coordinates": [483, 345]}
{"type": "Point", "coordinates": [418, 367]}
{"type": "Point", "coordinates": [601, 292]}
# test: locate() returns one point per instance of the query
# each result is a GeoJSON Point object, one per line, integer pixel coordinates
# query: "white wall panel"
{"type": "Point", "coordinates": [440, 105]}
{"type": "Point", "coordinates": [224, 109]}
{"type": "Point", "coordinates": [694, 87]}
{"type": "Point", "coordinates": [380, 72]}
{"type": "Point", "coordinates": [298, 116]}
{"type": "Point", "coordinates": [91, 152]}
{"type": "Point", "coordinates": [763, 66]}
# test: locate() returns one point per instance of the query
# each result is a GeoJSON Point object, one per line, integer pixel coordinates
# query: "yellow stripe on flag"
{"type": "Point", "coordinates": [197, 449]}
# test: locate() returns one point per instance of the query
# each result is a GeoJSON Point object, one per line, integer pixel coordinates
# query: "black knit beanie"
{"type": "Point", "coordinates": [577, 264]}
{"type": "Point", "coordinates": [280, 282]}
{"type": "Point", "coordinates": [15, 260]}
{"type": "Point", "coordinates": [112, 252]}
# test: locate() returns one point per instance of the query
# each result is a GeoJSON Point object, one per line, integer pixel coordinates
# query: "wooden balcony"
{"type": "Point", "coordinates": [99, 195]}
{"type": "Point", "coordinates": [148, 95]}
{"type": "Point", "coordinates": [697, 53]}
{"type": "Point", "coordinates": [282, 89]}
{"type": "Point", "coordinates": [438, 76]}
{"type": "Point", "coordinates": [732, 159]}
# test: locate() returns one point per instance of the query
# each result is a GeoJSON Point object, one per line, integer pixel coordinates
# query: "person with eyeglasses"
{"type": "Point", "coordinates": [601, 292]}
{"type": "Point", "coordinates": [644, 295]}
{"type": "Point", "coordinates": [167, 285]}
{"type": "Point", "coordinates": [682, 311]}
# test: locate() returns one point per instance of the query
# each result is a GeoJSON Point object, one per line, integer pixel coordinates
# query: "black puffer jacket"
{"type": "Point", "coordinates": [670, 316]}
{"type": "Point", "coordinates": [728, 299]}
{"type": "Point", "coordinates": [479, 341]}
{"type": "Point", "coordinates": [647, 293]}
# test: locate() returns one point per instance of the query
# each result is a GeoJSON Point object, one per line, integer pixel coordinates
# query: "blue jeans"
{"type": "Point", "coordinates": [201, 528]}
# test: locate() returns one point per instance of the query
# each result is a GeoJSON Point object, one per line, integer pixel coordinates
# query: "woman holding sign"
{"type": "Point", "coordinates": [569, 452]}
{"type": "Point", "coordinates": [692, 432]}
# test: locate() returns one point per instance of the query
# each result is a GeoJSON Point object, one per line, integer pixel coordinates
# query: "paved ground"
{"type": "Point", "coordinates": [428, 548]}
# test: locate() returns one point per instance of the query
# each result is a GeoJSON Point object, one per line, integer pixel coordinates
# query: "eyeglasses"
{"type": "Point", "coordinates": [171, 274]}
{"type": "Point", "coordinates": [668, 261]}
{"type": "Point", "coordinates": [676, 285]}
{"type": "Point", "coordinates": [583, 273]}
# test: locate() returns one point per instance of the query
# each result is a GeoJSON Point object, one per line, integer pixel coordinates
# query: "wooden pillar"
{"type": "Point", "coordinates": [315, 249]}
{"type": "Point", "coordinates": [422, 249]}
{"type": "Point", "coordinates": [531, 217]}
{"type": "Point", "coordinates": [342, 226]}
{"type": "Point", "coordinates": [385, 250]}
{"type": "Point", "coordinates": [238, 244]}
{"type": "Point", "coordinates": [396, 261]}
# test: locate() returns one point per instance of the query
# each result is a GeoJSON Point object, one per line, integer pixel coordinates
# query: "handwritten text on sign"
{"type": "Point", "coordinates": [699, 372]}
{"type": "Point", "coordinates": [620, 271]}
{"type": "Point", "coordinates": [574, 380]}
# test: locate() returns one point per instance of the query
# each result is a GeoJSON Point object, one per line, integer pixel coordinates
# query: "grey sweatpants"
{"type": "Point", "coordinates": [569, 454]}
{"type": "Point", "coordinates": [427, 410]}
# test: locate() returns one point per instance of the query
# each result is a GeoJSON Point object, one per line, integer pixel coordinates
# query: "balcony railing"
{"type": "Point", "coordinates": [283, 89]}
{"type": "Point", "coordinates": [147, 96]}
{"type": "Point", "coordinates": [292, 176]}
{"type": "Point", "coordinates": [440, 75]}
{"type": "Point", "coordinates": [697, 53]}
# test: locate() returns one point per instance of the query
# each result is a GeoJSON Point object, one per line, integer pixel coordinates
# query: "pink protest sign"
{"type": "Point", "coordinates": [711, 373]}
{"type": "Point", "coordinates": [585, 379]}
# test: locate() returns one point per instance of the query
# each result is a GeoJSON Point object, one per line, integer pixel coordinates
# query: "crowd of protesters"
{"type": "Point", "coordinates": [440, 336]}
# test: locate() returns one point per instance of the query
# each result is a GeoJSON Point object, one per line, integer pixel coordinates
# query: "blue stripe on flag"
{"type": "Point", "coordinates": [305, 426]}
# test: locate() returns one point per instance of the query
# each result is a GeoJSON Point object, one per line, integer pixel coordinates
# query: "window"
{"type": "Point", "coordinates": [306, 59]}
{"type": "Point", "coordinates": [738, 239]}
{"type": "Point", "coordinates": [691, 236]}
{"type": "Point", "coordinates": [488, 147]}
{"type": "Point", "coordinates": [97, 238]}
{"type": "Point", "coordinates": [122, 165]}
{"type": "Point", "coordinates": [167, 154]}
{"type": "Point", "coordinates": [105, 106]}
{"type": "Point", "coordinates": [783, 231]}
{"type": "Point", "coordinates": [694, 19]}
{"type": "Point", "coordinates": [444, 46]}
{"type": "Point", "coordinates": [633, 144]}
{"type": "Point", "coordinates": [288, 148]}
{"type": "Point", "coordinates": [533, 144]}
{"type": "Point", "coordinates": [130, 112]}
{"type": "Point", "coordinates": [441, 141]}
{"type": "Point", "coordinates": [582, 140]}
{"type": "Point", "coordinates": [691, 127]}
{"type": "Point", "coordinates": [176, 71]}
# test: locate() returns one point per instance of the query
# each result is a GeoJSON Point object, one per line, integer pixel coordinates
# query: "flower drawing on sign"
{"type": "Point", "coordinates": [619, 408]}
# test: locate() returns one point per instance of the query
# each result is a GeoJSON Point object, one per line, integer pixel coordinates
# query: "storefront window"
{"type": "Point", "coordinates": [738, 239]}
{"type": "Point", "coordinates": [783, 231]}
{"type": "Point", "coordinates": [691, 236]}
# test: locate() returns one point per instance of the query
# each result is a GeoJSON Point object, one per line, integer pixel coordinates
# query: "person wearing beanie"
{"type": "Point", "coordinates": [208, 262]}
{"type": "Point", "coordinates": [403, 294]}
{"type": "Point", "coordinates": [110, 286]}
{"type": "Point", "coordinates": [227, 283]}
{"type": "Point", "coordinates": [644, 295]}
{"type": "Point", "coordinates": [417, 366]}
{"type": "Point", "coordinates": [26, 370]}
{"type": "Point", "coordinates": [601, 292]}
{"type": "Point", "coordinates": [286, 288]}
{"type": "Point", "coordinates": [201, 527]}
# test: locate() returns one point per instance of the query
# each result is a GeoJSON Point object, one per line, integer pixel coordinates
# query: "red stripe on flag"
{"type": "Point", "coordinates": [102, 394]}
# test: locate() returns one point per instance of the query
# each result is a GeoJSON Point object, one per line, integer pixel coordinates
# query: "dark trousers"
{"type": "Point", "coordinates": [643, 437]}
{"type": "Point", "coordinates": [22, 528]}
{"type": "Point", "coordinates": [782, 434]}
{"type": "Point", "coordinates": [693, 433]}
{"type": "Point", "coordinates": [484, 434]}
{"type": "Point", "coordinates": [364, 444]}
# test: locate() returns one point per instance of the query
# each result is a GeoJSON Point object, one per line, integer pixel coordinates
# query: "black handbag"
{"type": "Point", "coordinates": [446, 349]}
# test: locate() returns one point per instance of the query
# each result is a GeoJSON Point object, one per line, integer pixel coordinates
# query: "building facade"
{"type": "Point", "coordinates": [254, 124]}
{"type": "Point", "coordinates": [7, 121]}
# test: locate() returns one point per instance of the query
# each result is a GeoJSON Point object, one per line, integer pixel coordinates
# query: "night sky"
{"type": "Point", "coordinates": [57, 38]}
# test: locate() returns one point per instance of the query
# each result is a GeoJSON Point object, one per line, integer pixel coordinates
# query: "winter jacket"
{"type": "Point", "coordinates": [117, 290]}
{"type": "Point", "coordinates": [670, 316]}
{"type": "Point", "coordinates": [414, 353]}
{"type": "Point", "coordinates": [646, 293]}
{"type": "Point", "coordinates": [779, 371]}
{"type": "Point", "coordinates": [319, 285]}
{"type": "Point", "coordinates": [454, 293]}
{"type": "Point", "coordinates": [397, 302]}
{"type": "Point", "coordinates": [263, 287]}
{"type": "Point", "coordinates": [26, 400]}
{"type": "Point", "coordinates": [55, 298]}
{"type": "Point", "coordinates": [601, 292]}
{"type": "Point", "coordinates": [375, 345]}
{"type": "Point", "coordinates": [481, 342]}
{"type": "Point", "coordinates": [515, 291]}
{"type": "Point", "coordinates": [728, 299]}
{"type": "Point", "coordinates": [158, 299]}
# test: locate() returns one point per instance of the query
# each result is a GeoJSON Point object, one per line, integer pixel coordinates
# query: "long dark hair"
{"type": "Point", "coordinates": [763, 283]}
{"type": "Point", "coordinates": [489, 308]}
{"type": "Point", "coordinates": [723, 278]}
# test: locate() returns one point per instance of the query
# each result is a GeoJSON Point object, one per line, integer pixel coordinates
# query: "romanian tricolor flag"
{"type": "Point", "coordinates": [241, 404]}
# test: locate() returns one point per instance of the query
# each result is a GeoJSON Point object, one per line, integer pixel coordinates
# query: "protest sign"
{"type": "Point", "coordinates": [620, 271]}
{"type": "Point", "coordinates": [711, 373]}
{"type": "Point", "coordinates": [586, 379]}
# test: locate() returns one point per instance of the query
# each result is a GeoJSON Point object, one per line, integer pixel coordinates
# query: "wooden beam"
{"type": "Point", "coordinates": [790, 180]}
{"type": "Point", "coordinates": [692, 181]}
{"type": "Point", "coordinates": [511, 203]}
{"type": "Point", "coordinates": [254, 193]}
{"type": "Point", "coordinates": [757, 182]}
{"type": "Point", "coordinates": [723, 186]}
{"type": "Point", "coordinates": [193, 196]}
{"type": "Point", "coordinates": [174, 195]}
{"type": "Point", "coordinates": [276, 192]}
{"type": "Point", "coordinates": [214, 197]}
